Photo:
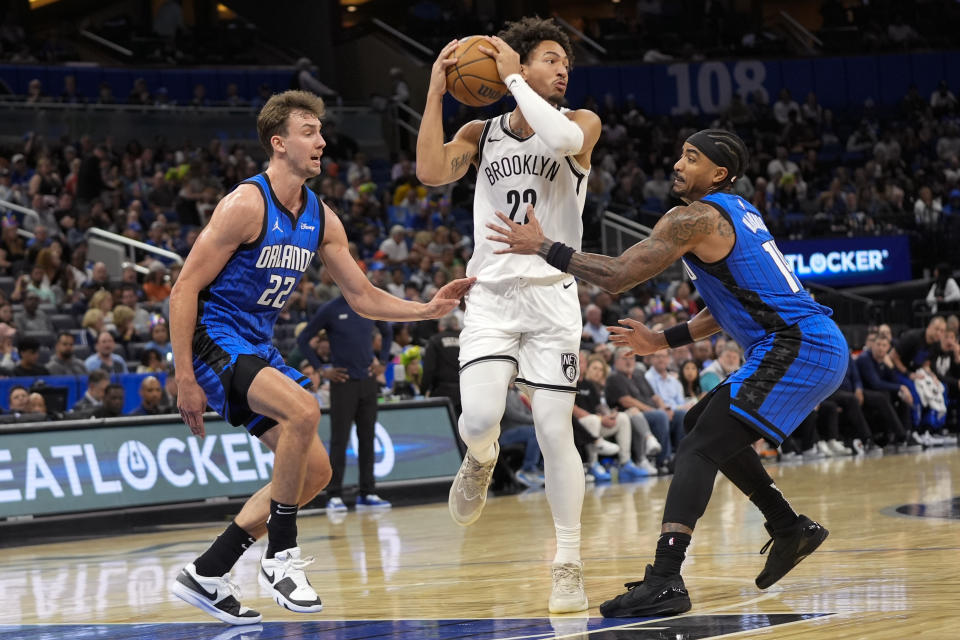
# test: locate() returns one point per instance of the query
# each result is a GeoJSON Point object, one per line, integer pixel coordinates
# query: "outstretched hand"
{"type": "Point", "coordinates": [635, 335]}
{"type": "Point", "coordinates": [448, 298]}
{"type": "Point", "coordinates": [524, 239]}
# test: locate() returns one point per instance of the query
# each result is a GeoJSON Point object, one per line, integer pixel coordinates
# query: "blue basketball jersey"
{"type": "Point", "coordinates": [752, 292]}
{"type": "Point", "coordinates": [247, 295]}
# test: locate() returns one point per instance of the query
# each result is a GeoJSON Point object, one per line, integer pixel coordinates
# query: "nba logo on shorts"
{"type": "Point", "coordinates": [568, 364]}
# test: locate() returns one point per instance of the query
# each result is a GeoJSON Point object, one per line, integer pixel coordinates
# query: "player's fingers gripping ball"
{"type": "Point", "coordinates": [474, 79]}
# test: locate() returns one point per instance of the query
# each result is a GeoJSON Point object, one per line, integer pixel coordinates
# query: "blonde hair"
{"type": "Point", "coordinates": [91, 318]}
{"type": "Point", "coordinates": [122, 315]}
{"type": "Point", "coordinates": [276, 112]}
{"type": "Point", "coordinates": [99, 297]}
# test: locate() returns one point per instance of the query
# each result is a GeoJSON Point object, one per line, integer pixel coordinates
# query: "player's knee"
{"type": "Point", "coordinates": [305, 416]}
{"type": "Point", "coordinates": [479, 419]}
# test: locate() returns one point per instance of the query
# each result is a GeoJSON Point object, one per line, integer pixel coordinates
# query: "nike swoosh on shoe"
{"type": "Point", "coordinates": [197, 587]}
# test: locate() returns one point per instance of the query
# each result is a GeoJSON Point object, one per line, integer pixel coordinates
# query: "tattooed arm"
{"type": "Point", "coordinates": [680, 230]}
{"type": "Point", "coordinates": [439, 163]}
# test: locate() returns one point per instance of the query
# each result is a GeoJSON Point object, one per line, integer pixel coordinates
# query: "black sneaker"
{"type": "Point", "coordinates": [789, 548]}
{"type": "Point", "coordinates": [652, 596]}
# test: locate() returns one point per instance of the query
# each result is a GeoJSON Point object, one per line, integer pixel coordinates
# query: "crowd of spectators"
{"type": "Point", "coordinates": [661, 30]}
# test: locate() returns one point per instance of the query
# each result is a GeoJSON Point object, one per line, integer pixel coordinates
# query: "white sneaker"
{"type": "Point", "coordinates": [468, 493]}
{"type": "Point", "coordinates": [838, 448]}
{"type": "Point", "coordinates": [220, 597]}
{"type": "Point", "coordinates": [647, 466]}
{"type": "Point", "coordinates": [824, 449]}
{"type": "Point", "coordinates": [653, 445]}
{"type": "Point", "coordinates": [568, 594]}
{"type": "Point", "coordinates": [607, 448]}
{"type": "Point", "coordinates": [284, 577]}
{"type": "Point", "coordinates": [858, 448]}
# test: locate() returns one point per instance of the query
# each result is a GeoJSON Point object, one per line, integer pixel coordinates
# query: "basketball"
{"type": "Point", "coordinates": [474, 80]}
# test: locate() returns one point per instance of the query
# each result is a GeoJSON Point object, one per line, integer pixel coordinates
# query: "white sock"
{"type": "Point", "coordinates": [483, 455]}
{"type": "Point", "coordinates": [563, 468]}
{"type": "Point", "coordinates": [568, 544]}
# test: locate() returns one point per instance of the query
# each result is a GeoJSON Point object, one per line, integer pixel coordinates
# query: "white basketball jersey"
{"type": "Point", "coordinates": [514, 172]}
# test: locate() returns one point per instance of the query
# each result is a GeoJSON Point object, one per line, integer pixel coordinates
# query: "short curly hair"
{"type": "Point", "coordinates": [526, 34]}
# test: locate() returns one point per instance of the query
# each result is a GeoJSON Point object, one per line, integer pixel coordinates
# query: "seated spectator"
{"type": "Point", "coordinates": [916, 346]}
{"type": "Point", "coordinates": [947, 368]}
{"type": "Point", "coordinates": [151, 398]}
{"type": "Point", "coordinates": [141, 317]}
{"type": "Point", "coordinates": [629, 391]}
{"type": "Point", "coordinates": [35, 282]}
{"type": "Point", "coordinates": [102, 300]}
{"type": "Point", "coordinates": [155, 285]}
{"type": "Point", "coordinates": [395, 247]}
{"type": "Point", "coordinates": [103, 356]}
{"type": "Point", "coordinates": [99, 277]}
{"type": "Point", "coordinates": [702, 354]}
{"type": "Point", "coordinates": [9, 356]}
{"type": "Point", "coordinates": [409, 386]}
{"type": "Point", "coordinates": [690, 381]}
{"type": "Point", "coordinates": [63, 362]}
{"type": "Point", "coordinates": [36, 403]}
{"type": "Point", "coordinates": [29, 365]}
{"type": "Point", "coordinates": [516, 427]}
{"type": "Point", "coordinates": [113, 400]}
{"type": "Point", "coordinates": [593, 328]}
{"type": "Point", "coordinates": [683, 300]}
{"type": "Point", "coordinates": [150, 362]}
{"type": "Point", "coordinates": [666, 387]}
{"type": "Point", "coordinates": [32, 318]}
{"type": "Point", "coordinates": [944, 290]}
{"type": "Point", "coordinates": [91, 327]}
{"type": "Point", "coordinates": [877, 372]}
{"type": "Point", "coordinates": [851, 399]}
{"type": "Point", "coordinates": [726, 363]}
{"type": "Point", "coordinates": [591, 411]}
{"type": "Point", "coordinates": [18, 399]}
{"type": "Point", "coordinates": [124, 333]}
{"type": "Point", "coordinates": [97, 383]}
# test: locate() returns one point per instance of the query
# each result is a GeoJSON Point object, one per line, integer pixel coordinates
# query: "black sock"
{"type": "Point", "coordinates": [775, 508]}
{"type": "Point", "coordinates": [671, 550]}
{"type": "Point", "coordinates": [281, 527]}
{"type": "Point", "coordinates": [220, 557]}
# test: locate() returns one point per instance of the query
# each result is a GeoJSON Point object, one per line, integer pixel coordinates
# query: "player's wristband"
{"type": "Point", "coordinates": [678, 335]}
{"type": "Point", "coordinates": [559, 256]}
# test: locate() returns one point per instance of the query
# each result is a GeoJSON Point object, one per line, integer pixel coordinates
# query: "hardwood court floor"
{"type": "Point", "coordinates": [881, 574]}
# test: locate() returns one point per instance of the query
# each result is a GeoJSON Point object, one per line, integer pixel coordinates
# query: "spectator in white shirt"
{"type": "Point", "coordinates": [944, 289]}
{"type": "Point", "coordinates": [783, 106]}
{"type": "Point", "coordinates": [593, 328]}
{"type": "Point", "coordinates": [665, 383]}
{"type": "Point", "coordinates": [395, 247]}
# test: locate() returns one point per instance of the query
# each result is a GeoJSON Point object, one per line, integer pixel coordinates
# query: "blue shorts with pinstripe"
{"type": "Point", "coordinates": [225, 366]}
{"type": "Point", "coordinates": [786, 375]}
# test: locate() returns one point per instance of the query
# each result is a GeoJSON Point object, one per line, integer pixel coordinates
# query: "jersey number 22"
{"type": "Point", "coordinates": [267, 299]}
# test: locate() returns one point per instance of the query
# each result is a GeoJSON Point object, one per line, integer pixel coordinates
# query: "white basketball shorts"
{"type": "Point", "coordinates": [535, 324]}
